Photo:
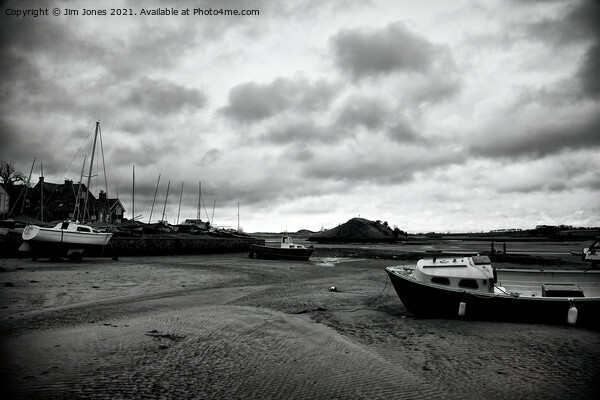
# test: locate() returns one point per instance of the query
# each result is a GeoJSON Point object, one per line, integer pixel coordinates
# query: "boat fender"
{"type": "Point", "coordinates": [462, 308]}
{"type": "Point", "coordinates": [572, 313]}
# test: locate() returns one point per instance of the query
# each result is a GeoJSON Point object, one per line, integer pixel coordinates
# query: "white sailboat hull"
{"type": "Point", "coordinates": [39, 234]}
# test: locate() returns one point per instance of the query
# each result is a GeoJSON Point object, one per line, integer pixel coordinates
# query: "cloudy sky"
{"type": "Point", "coordinates": [446, 116]}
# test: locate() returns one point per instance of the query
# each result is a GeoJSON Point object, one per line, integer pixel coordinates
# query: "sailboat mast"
{"type": "Point", "coordinates": [180, 197]}
{"type": "Point", "coordinates": [28, 183]}
{"type": "Point", "coordinates": [78, 197]}
{"type": "Point", "coordinates": [212, 220]}
{"type": "Point", "coordinates": [108, 217]}
{"type": "Point", "coordinates": [154, 200]}
{"type": "Point", "coordinates": [42, 192]}
{"type": "Point", "coordinates": [133, 196]}
{"type": "Point", "coordinates": [198, 213]}
{"type": "Point", "coordinates": [166, 197]}
{"type": "Point", "coordinates": [87, 193]}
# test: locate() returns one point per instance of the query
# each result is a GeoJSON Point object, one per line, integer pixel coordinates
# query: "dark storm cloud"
{"type": "Point", "coordinates": [589, 73]}
{"type": "Point", "coordinates": [24, 45]}
{"type": "Point", "coordinates": [250, 102]}
{"type": "Point", "coordinates": [394, 48]}
{"type": "Point", "coordinates": [211, 157]}
{"type": "Point", "coordinates": [18, 76]}
{"type": "Point", "coordinates": [540, 141]}
{"type": "Point", "coordinates": [43, 36]}
{"type": "Point", "coordinates": [377, 165]}
{"type": "Point", "coordinates": [149, 49]}
{"type": "Point", "coordinates": [300, 155]}
{"type": "Point", "coordinates": [253, 102]}
{"type": "Point", "coordinates": [402, 132]}
{"type": "Point", "coordinates": [369, 113]}
{"type": "Point", "coordinates": [356, 170]}
{"type": "Point", "coordinates": [143, 153]}
{"type": "Point", "coordinates": [163, 97]}
{"type": "Point", "coordinates": [531, 187]}
{"type": "Point", "coordinates": [301, 131]}
{"type": "Point", "coordinates": [12, 142]}
{"type": "Point", "coordinates": [580, 24]}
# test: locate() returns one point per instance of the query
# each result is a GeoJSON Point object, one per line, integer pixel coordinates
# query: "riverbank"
{"type": "Point", "coordinates": [226, 326]}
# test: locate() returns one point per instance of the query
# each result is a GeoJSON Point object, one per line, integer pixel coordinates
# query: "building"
{"type": "Point", "coordinates": [4, 203]}
{"type": "Point", "coordinates": [51, 201]}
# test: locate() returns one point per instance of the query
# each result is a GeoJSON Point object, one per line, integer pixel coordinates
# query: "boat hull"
{"type": "Point", "coordinates": [271, 253]}
{"type": "Point", "coordinates": [428, 300]}
{"type": "Point", "coordinates": [37, 234]}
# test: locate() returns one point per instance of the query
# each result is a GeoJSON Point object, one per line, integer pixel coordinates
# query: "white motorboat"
{"type": "Point", "coordinates": [469, 287]}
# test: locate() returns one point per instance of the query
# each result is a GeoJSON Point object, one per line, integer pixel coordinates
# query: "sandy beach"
{"type": "Point", "coordinates": [226, 326]}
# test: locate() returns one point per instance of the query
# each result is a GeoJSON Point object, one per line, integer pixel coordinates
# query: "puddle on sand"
{"type": "Point", "coordinates": [331, 261]}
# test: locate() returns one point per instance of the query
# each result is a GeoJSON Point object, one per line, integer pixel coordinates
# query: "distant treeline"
{"type": "Point", "coordinates": [540, 231]}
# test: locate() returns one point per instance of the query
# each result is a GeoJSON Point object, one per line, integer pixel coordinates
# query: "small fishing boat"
{"type": "Point", "coordinates": [469, 287]}
{"type": "Point", "coordinates": [287, 250]}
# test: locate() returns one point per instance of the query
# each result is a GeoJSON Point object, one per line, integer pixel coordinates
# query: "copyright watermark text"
{"type": "Point", "coordinates": [162, 11]}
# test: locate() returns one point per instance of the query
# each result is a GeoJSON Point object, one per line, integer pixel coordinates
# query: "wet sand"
{"type": "Point", "coordinates": [226, 326]}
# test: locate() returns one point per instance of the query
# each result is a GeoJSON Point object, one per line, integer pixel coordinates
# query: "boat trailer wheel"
{"type": "Point", "coordinates": [75, 257]}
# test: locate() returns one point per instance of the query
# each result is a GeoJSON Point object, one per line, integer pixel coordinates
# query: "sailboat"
{"type": "Point", "coordinates": [69, 238]}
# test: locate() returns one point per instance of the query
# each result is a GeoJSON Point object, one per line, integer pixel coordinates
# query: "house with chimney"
{"type": "Point", "coordinates": [51, 201]}
{"type": "Point", "coordinates": [4, 202]}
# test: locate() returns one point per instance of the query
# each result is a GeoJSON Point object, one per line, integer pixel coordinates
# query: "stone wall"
{"type": "Point", "coordinates": [147, 246]}
{"type": "Point", "coordinates": [174, 245]}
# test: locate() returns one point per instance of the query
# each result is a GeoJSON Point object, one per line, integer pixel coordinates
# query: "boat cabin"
{"type": "Point", "coordinates": [464, 273]}
{"type": "Point", "coordinates": [287, 243]}
{"type": "Point", "coordinates": [75, 226]}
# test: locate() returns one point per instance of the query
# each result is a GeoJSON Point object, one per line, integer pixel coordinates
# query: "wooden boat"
{"type": "Point", "coordinates": [469, 287]}
{"type": "Point", "coordinates": [287, 250]}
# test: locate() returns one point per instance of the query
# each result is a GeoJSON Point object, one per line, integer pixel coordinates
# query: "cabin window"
{"type": "Point", "coordinates": [440, 280]}
{"type": "Point", "coordinates": [468, 284]}
{"type": "Point", "coordinates": [82, 229]}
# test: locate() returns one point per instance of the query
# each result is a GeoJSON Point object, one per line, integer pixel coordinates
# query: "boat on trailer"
{"type": "Point", "coordinates": [469, 287]}
{"type": "Point", "coordinates": [69, 238]}
{"type": "Point", "coordinates": [286, 250]}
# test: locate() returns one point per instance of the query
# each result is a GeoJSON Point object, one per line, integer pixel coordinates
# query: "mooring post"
{"type": "Point", "coordinates": [492, 247]}
{"type": "Point", "coordinates": [504, 248]}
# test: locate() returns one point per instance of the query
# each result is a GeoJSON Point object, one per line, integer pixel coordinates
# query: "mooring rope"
{"type": "Point", "coordinates": [387, 278]}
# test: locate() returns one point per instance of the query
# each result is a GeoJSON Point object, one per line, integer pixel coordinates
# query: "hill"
{"type": "Point", "coordinates": [356, 230]}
